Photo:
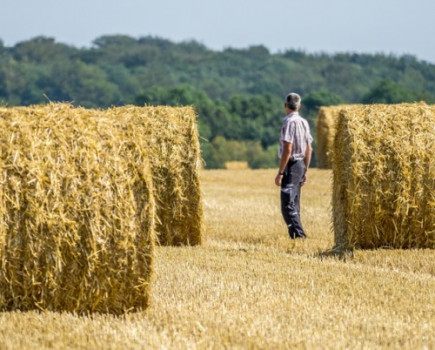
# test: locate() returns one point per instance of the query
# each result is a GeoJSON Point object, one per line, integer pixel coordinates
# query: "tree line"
{"type": "Point", "coordinates": [238, 93]}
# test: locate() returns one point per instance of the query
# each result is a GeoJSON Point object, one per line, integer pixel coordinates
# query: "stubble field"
{"type": "Point", "coordinates": [250, 287]}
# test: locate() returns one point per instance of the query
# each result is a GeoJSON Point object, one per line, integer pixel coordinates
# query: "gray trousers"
{"type": "Point", "coordinates": [291, 196]}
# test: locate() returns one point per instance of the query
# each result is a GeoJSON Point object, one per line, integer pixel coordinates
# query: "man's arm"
{"type": "Point", "coordinates": [286, 152]}
{"type": "Point", "coordinates": [307, 158]}
{"type": "Point", "coordinates": [307, 161]}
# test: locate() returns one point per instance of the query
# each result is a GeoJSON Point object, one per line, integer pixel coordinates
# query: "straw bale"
{"type": "Point", "coordinates": [325, 130]}
{"type": "Point", "coordinates": [384, 177]}
{"type": "Point", "coordinates": [170, 136]}
{"type": "Point", "coordinates": [77, 211]}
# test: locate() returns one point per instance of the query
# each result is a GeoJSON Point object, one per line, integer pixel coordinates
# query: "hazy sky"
{"type": "Point", "coordinates": [371, 26]}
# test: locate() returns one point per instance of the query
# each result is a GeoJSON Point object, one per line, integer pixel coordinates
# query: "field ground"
{"type": "Point", "coordinates": [250, 287]}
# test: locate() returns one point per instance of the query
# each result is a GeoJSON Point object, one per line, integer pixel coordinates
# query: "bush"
{"type": "Point", "coordinates": [259, 158]}
{"type": "Point", "coordinates": [220, 151]}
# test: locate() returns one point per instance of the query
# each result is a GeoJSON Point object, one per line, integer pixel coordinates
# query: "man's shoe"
{"type": "Point", "coordinates": [296, 236]}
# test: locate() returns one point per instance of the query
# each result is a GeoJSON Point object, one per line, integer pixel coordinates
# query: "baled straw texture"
{"type": "Point", "coordinates": [325, 129]}
{"type": "Point", "coordinates": [77, 211]}
{"type": "Point", "coordinates": [170, 136]}
{"type": "Point", "coordinates": [384, 177]}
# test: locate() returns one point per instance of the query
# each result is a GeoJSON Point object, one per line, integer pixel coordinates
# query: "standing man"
{"type": "Point", "coordinates": [295, 154]}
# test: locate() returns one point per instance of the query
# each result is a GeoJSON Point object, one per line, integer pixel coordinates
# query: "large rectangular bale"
{"type": "Point", "coordinates": [76, 211]}
{"type": "Point", "coordinates": [384, 177]}
{"type": "Point", "coordinates": [170, 137]}
{"type": "Point", "coordinates": [325, 131]}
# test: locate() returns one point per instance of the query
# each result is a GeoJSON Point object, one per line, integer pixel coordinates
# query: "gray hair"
{"type": "Point", "coordinates": [293, 100]}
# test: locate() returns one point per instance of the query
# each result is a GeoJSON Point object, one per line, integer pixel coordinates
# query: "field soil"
{"type": "Point", "coordinates": [250, 287]}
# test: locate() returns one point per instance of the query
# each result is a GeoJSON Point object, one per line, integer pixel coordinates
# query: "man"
{"type": "Point", "coordinates": [295, 154]}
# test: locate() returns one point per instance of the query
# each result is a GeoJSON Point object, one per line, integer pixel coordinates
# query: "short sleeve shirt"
{"type": "Point", "coordinates": [296, 131]}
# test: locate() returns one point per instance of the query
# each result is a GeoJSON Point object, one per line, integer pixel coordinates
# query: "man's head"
{"type": "Point", "coordinates": [293, 101]}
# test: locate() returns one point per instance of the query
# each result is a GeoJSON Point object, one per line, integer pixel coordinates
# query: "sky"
{"type": "Point", "coordinates": [316, 26]}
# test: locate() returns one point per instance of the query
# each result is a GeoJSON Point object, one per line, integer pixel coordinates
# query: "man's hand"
{"type": "Point", "coordinates": [278, 179]}
{"type": "Point", "coordinates": [304, 179]}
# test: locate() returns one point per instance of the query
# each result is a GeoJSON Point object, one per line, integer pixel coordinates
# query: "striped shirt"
{"type": "Point", "coordinates": [296, 131]}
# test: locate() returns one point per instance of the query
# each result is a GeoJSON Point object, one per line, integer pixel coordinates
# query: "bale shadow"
{"type": "Point", "coordinates": [338, 253]}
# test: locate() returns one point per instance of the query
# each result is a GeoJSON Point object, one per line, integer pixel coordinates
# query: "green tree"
{"type": "Point", "coordinates": [387, 91]}
{"type": "Point", "coordinates": [260, 158]}
{"type": "Point", "coordinates": [218, 152]}
{"type": "Point", "coordinates": [42, 50]}
{"type": "Point", "coordinates": [84, 84]}
{"type": "Point", "coordinates": [318, 98]}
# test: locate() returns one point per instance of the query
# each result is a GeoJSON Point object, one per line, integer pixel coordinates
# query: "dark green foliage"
{"type": "Point", "coordinates": [260, 158]}
{"type": "Point", "coordinates": [318, 98]}
{"type": "Point", "coordinates": [387, 92]}
{"type": "Point", "coordinates": [219, 151]}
